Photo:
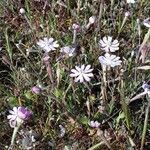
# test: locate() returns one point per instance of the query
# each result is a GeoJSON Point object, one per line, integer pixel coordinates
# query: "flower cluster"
{"type": "Point", "coordinates": [18, 116]}
{"type": "Point", "coordinates": [84, 73]}
{"type": "Point", "coordinates": [109, 45]}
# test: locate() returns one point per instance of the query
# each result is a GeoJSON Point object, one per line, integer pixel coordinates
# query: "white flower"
{"type": "Point", "coordinates": [146, 22]}
{"type": "Point", "coordinates": [13, 117]}
{"type": "Point", "coordinates": [48, 44]}
{"type": "Point", "coordinates": [110, 60]}
{"type": "Point", "coordinates": [146, 88]}
{"type": "Point", "coordinates": [69, 50]}
{"type": "Point", "coordinates": [131, 1]}
{"type": "Point", "coordinates": [82, 73]}
{"type": "Point", "coordinates": [109, 45]}
{"type": "Point", "coordinates": [94, 124]}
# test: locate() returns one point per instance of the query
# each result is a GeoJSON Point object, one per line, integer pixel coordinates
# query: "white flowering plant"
{"type": "Point", "coordinates": [80, 68]}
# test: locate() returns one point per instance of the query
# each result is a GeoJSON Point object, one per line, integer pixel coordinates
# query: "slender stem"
{"type": "Point", "coordinates": [101, 3]}
{"type": "Point", "coordinates": [14, 134]}
{"type": "Point", "coordinates": [78, 7]}
{"type": "Point", "coordinates": [122, 25]}
{"type": "Point", "coordinates": [104, 75]}
{"type": "Point", "coordinates": [145, 125]}
{"type": "Point", "coordinates": [26, 18]}
{"type": "Point", "coordinates": [104, 86]}
{"type": "Point", "coordinates": [96, 145]}
{"type": "Point", "coordinates": [74, 36]}
{"type": "Point", "coordinates": [146, 37]}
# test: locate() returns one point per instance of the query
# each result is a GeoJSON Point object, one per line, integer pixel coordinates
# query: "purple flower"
{"type": "Point", "coordinates": [36, 90]}
{"type": "Point", "coordinates": [18, 116]}
{"type": "Point", "coordinates": [94, 124]}
{"type": "Point", "coordinates": [76, 27]}
{"type": "Point", "coordinates": [24, 113]}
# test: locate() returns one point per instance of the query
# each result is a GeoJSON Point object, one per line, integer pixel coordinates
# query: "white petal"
{"type": "Point", "coordinates": [116, 59]}
{"type": "Point", "coordinates": [115, 42]}
{"type": "Point", "coordinates": [88, 71]}
{"type": "Point", "coordinates": [46, 49]}
{"type": "Point", "coordinates": [74, 71]}
{"type": "Point", "coordinates": [65, 49]}
{"type": "Point", "coordinates": [105, 40]}
{"type": "Point", "coordinates": [50, 40]}
{"type": "Point", "coordinates": [78, 68]}
{"type": "Point", "coordinates": [106, 49]}
{"type": "Point", "coordinates": [82, 67]}
{"type": "Point", "coordinates": [92, 123]}
{"type": "Point", "coordinates": [113, 49]}
{"type": "Point", "coordinates": [12, 123]}
{"type": "Point", "coordinates": [15, 110]}
{"type": "Point", "coordinates": [115, 45]}
{"type": "Point", "coordinates": [102, 59]}
{"type": "Point", "coordinates": [107, 55]}
{"type": "Point", "coordinates": [77, 79]}
{"type": "Point", "coordinates": [11, 117]}
{"type": "Point", "coordinates": [89, 74]}
{"type": "Point", "coordinates": [81, 78]}
{"type": "Point", "coordinates": [102, 44]}
{"type": "Point", "coordinates": [86, 77]}
{"type": "Point", "coordinates": [87, 67]}
{"type": "Point", "coordinates": [55, 44]}
{"type": "Point", "coordinates": [12, 112]}
{"type": "Point", "coordinates": [110, 39]}
{"type": "Point", "coordinates": [73, 75]}
{"type": "Point", "coordinates": [112, 57]}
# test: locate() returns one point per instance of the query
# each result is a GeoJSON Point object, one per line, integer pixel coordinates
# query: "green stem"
{"type": "Point", "coordinates": [14, 135]}
{"type": "Point", "coordinates": [96, 146]}
{"type": "Point", "coordinates": [122, 25]}
{"type": "Point", "coordinates": [74, 36]}
{"type": "Point", "coordinates": [146, 37]}
{"type": "Point", "coordinates": [145, 126]}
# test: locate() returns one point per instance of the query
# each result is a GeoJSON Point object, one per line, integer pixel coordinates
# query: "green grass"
{"type": "Point", "coordinates": [74, 105]}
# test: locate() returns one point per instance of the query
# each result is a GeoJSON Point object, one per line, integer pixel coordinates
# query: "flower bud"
{"type": "Point", "coordinates": [127, 14]}
{"type": "Point", "coordinates": [92, 19]}
{"type": "Point", "coordinates": [22, 10]}
{"type": "Point", "coordinates": [36, 90]}
{"type": "Point", "coordinates": [76, 26]}
{"type": "Point", "coordinates": [146, 22]}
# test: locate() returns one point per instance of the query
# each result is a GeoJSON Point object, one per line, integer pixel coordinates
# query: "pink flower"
{"type": "Point", "coordinates": [36, 90]}
{"type": "Point", "coordinates": [94, 124]}
{"type": "Point", "coordinates": [76, 27]}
